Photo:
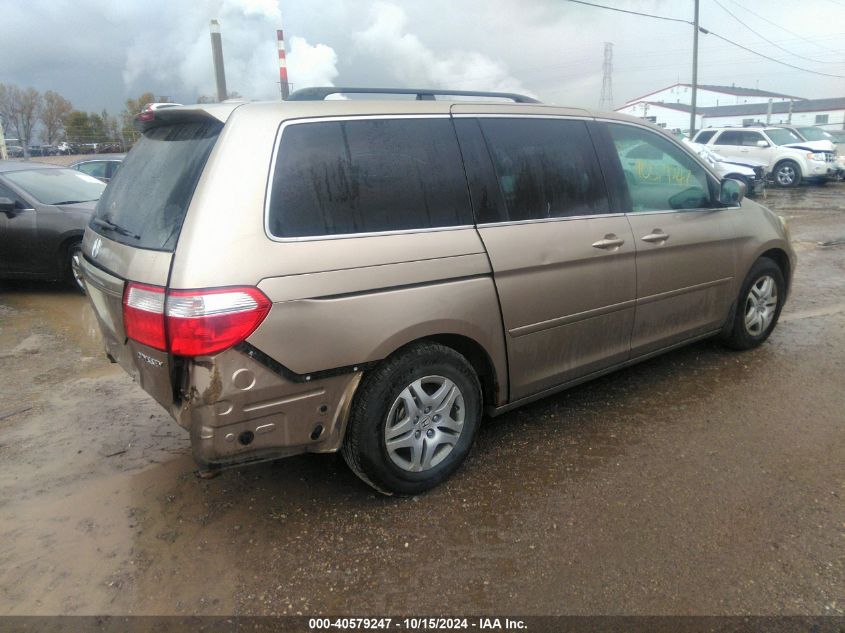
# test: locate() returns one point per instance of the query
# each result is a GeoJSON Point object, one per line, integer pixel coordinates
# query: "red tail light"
{"type": "Point", "coordinates": [192, 322]}
{"type": "Point", "coordinates": [143, 315]}
{"type": "Point", "coordinates": [208, 321]}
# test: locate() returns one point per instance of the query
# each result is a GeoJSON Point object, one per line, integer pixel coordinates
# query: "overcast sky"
{"type": "Point", "coordinates": [99, 52]}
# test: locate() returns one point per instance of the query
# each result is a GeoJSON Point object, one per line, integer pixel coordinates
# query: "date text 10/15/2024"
{"type": "Point", "coordinates": [416, 624]}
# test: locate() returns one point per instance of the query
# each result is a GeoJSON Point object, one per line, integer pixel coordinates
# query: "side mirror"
{"type": "Point", "coordinates": [762, 144]}
{"type": "Point", "coordinates": [731, 192]}
{"type": "Point", "coordinates": [7, 205]}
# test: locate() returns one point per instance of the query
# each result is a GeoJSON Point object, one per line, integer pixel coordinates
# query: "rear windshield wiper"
{"type": "Point", "coordinates": [114, 227]}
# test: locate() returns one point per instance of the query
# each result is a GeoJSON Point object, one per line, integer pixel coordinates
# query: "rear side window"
{"type": "Point", "coordinates": [703, 137]}
{"type": "Point", "coordinates": [737, 137]}
{"type": "Point", "coordinates": [363, 176]}
{"type": "Point", "coordinates": [145, 203]}
{"type": "Point", "coordinates": [547, 168]}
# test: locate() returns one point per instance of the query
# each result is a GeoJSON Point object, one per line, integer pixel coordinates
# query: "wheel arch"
{"type": "Point", "coordinates": [789, 159]}
{"type": "Point", "coordinates": [476, 355]}
{"type": "Point", "coordinates": [61, 252]}
{"type": "Point", "coordinates": [780, 258]}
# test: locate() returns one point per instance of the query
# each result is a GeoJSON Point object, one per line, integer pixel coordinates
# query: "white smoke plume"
{"type": "Point", "coordinates": [176, 51]}
{"type": "Point", "coordinates": [310, 65]}
{"type": "Point", "coordinates": [412, 62]}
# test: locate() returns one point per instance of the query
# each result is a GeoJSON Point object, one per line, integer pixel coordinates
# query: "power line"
{"type": "Point", "coordinates": [708, 32]}
{"type": "Point", "coordinates": [762, 37]}
{"type": "Point", "coordinates": [645, 15]}
{"type": "Point", "coordinates": [783, 28]}
{"type": "Point", "coordinates": [772, 59]}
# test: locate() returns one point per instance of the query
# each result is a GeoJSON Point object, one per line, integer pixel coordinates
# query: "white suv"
{"type": "Point", "coordinates": [790, 159]}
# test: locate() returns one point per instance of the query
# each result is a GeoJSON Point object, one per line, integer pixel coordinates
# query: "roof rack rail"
{"type": "Point", "coordinates": [422, 94]}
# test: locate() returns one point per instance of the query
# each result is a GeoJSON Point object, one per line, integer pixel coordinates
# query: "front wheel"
{"type": "Point", "coordinates": [413, 420]}
{"type": "Point", "coordinates": [787, 174]}
{"type": "Point", "coordinates": [758, 305]}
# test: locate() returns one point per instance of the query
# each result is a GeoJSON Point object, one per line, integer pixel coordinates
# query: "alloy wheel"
{"type": "Point", "coordinates": [786, 175]}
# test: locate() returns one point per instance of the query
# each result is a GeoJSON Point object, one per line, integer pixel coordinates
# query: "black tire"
{"type": "Point", "coordinates": [364, 447]}
{"type": "Point", "coordinates": [787, 174]}
{"type": "Point", "coordinates": [738, 335]}
{"type": "Point", "coordinates": [70, 261]}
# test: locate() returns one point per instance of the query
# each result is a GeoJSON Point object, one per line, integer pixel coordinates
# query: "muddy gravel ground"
{"type": "Point", "coordinates": [702, 482]}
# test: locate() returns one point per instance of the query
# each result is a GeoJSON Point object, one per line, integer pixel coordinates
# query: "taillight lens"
{"type": "Point", "coordinates": [143, 315]}
{"type": "Point", "coordinates": [192, 322]}
{"type": "Point", "coordinates": [208, 321]}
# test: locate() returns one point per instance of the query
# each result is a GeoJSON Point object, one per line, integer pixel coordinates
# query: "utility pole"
{"type": "Point", "coordinates": [769, 113]}
{"type": "Point", "coordinates": [606, 101]}
{"type": "Point", "coordinates": [694, 72]}
{"type": "Point", "coordinates": [3, 153]}
{"type": "Point", "coordinates": [283, 66]}
{"type": "Point", "coordinates": [217, 57]}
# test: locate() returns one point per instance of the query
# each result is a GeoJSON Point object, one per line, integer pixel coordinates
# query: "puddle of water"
{"type": "Point", "coordinates": [63, 311]}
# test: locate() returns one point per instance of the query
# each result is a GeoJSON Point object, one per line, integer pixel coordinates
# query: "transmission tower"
{"type": "Point", "coordinates": [606, 101]}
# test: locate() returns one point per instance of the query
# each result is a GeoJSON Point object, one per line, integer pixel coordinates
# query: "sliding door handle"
{"type": "Point", "coordinates": [609, 242]}
{"type": "Point", "coordinates": [657, 236]}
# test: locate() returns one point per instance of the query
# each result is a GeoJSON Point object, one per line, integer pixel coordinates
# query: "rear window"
{"type": "Point", "coordinates": [145, 203]}
{"type": "Point", "coordinates": [363, 176]}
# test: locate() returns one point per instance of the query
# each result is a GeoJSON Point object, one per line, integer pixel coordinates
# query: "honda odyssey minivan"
{"type": "Point", "coordinates": [375, 276]}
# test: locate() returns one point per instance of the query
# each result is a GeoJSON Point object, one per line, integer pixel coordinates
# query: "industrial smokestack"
{"type": "Point", "coordinates": [217, 56]}
{"type": "Point", "coordinates": [283, 66]}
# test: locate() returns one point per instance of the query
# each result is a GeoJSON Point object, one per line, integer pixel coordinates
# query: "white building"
{"type": "Point", "coordinates": [674, 116]}
{"type": "Point", "coordinates": [708, 96]}
{"type": "Point", "coordinates": [732, 105]}
{"type": "Point", "coordinates": [825, 113]}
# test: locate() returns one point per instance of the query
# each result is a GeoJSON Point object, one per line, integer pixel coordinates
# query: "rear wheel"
{"type": "Point", "coordinates": [413, 420]}
{"type": "Point", "coordinates": [787, 174]}
{"type": "Point", "coordinates": [758, 305]}
{"type": "Point", "coordinates": [73, 266]}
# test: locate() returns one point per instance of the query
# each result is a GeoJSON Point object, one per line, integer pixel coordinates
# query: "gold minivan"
{"type": "Point", "coordinates": [374, 276]}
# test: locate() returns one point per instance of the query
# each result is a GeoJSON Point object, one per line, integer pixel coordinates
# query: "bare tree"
{"type": "Point", "coordinates": [21, 109]}
{"type": "Point", "coordinates": [53, 113]}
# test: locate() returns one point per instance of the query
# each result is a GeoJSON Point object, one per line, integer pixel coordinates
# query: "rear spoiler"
{"type": "Point", "coordinates": [150, 119]}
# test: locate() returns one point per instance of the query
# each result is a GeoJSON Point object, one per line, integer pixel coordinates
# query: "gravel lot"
{"type": "Point", "coordinates": [702, 482]}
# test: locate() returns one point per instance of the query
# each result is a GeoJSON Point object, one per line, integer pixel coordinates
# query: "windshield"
{"type": "Point", "coordinates": [57, 186]}
{"type": "Point", "coordinates": [146, 202]}
{"type": "Point", "coordinates": [781, 136]}
{"type": "Point", "coordinates": [814, 134]}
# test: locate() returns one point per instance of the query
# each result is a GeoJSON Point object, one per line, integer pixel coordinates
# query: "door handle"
{"type": "Point", "coordinates": [657, 236]}
{"type": "Point", "coordinates": [609, 242]}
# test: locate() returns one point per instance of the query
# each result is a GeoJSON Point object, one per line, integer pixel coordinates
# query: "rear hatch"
{"type": "Point", "coordinates": [130, 240]}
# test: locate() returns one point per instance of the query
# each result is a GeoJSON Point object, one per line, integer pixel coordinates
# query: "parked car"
{"type": "Point", "coordinates": [829, 141]}
{"type": "Point", "coordinates": [43, 213]}
{"type": "Point", "coordinates": [14, 151]}
{"type": "Point", "coordinates": [102, 168]}
{"type": "Point", "coordinates": [747, 170]}
{"type": "Point", "coordinates": [791, 159]}
{"type": "Point", "coordinates": [371, 277]}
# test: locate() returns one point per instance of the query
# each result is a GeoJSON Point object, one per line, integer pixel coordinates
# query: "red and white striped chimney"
{"type": "Point", "coordinates": [283, 66]}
